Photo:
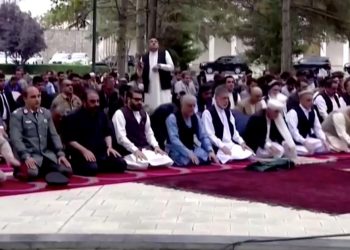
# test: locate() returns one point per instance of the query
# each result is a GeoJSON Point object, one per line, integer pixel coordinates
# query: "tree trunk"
{"type": "Point", "coordinates": [152, 18]}
{"type": "Point", "coordinates": [286, 53]}
{"type": "Point", "coordinates": [121, 41]}
{"type": "Point", "coordinates": [140, 28]}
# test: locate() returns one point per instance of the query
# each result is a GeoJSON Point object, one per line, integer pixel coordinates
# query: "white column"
{"type": "Point", "coordinates": [211, 48]}
{"type": "Point", "coordinates": [233, 46]}
{"type": "Point", "coordinates": [323, 49]}
{"type": "Point", "coordinates": [345, 52]}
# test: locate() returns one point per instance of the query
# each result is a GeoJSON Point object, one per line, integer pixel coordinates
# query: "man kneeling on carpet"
{"type": "Point", "coordinates": [219, 124]}
{"type": "Point", "coordinates": [133, 131]}
{"type": "Point", "coordinates": [36, 142]}
{"type": "Point", "coordinates": [305, 126]}
{"type": "Point", "coordinates": [337, 129]}
{"type": "Point", "coordinates": [267, 133]}
{"type": "Point", "coordinates": [88, 134]}
{"type": "Point", "coordinates": [6, 151]}
{"type": "Point", "coordinates": [182, 128]}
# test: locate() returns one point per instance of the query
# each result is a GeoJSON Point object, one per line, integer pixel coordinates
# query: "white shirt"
{"type": "Point", "coordinates": [322, 106]}
{"type": "Point", "coordinates": [232, 103]}
{"type": "Point", "coordinates": [340, 127]}
{"type": "Point", "coordinates": [153, 61]}
{"type": "Point", "coordinates": [188, 89]}
{"type": "Point", "coordinates": [286, 92]}
{"type": "Point", "coordinates": [6, 106]}
{"type": "Point", "coordinates": [292, 121]}
{"type": "Point", "coordinates": [209, 128]}
{"type": "Point", "coordinates": [119, 124]}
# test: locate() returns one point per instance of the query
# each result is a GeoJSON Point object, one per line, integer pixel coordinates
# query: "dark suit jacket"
{"type": "Point", "coordinates": [10, 100]}
{"type": "Point", "coordinates": [114, 103]}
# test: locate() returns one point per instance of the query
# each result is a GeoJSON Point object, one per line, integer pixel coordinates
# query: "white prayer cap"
{"type": "Point", "coordinates": [275, 104]}
{"type": "Point", "coordinates": [305, 92]}
{"type": "Point", "coordinates": [92, 74]}
{"type": "Point", "coordinates": [282, 98]}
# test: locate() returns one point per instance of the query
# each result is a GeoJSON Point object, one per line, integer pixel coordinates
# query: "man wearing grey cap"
{"type": "Point", "coordinates": [267, 133]}
{"type": "Point", "coordinates": [305, 126]}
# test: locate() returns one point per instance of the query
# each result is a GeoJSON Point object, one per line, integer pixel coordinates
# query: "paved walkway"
{"type": "Point", "coordinates": [136, 208]}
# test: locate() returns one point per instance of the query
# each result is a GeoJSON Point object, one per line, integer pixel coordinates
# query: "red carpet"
{"type": "Point", "coordinates": [13, 186]}
{"type": "Point", "coordinates": [321, 188]}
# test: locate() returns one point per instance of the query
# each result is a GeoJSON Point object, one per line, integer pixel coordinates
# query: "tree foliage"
{"type": "Point", "coordinates": [21, 36]}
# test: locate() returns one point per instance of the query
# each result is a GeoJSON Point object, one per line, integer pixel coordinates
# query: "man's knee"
{"type": "Point", "coordinates": [24, 173]}
{"type": "Point", "coordinates": [86, 169]}
{"type": "Point", "coordinates": [117, 163]}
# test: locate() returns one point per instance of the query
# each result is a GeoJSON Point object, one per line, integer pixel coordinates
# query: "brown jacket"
{"type": "Point", "coordinates": [246, 108]}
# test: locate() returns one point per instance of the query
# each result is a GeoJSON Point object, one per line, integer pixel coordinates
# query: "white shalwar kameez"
{"type": "Point", "coordinates": [156, 96]}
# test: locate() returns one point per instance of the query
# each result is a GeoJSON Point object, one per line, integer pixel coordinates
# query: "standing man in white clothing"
{"type": "Point", "coordinates": [156, 75]}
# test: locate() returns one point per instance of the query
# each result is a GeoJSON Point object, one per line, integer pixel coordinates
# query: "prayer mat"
{"type": "Point", "coordinates": [14, 187]}
{"type": "Point", "coordinates": [316, 187]}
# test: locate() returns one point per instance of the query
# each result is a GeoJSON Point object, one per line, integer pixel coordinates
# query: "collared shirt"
{"type": "Point", "coordinates": [292, 121]}
{"type": "Point", "coordinates": [5, 106]}
{"type": "Point", "coordinates": [322, 106]}
{"type": "Point", "coordinates": [63, 105]}
{"type": "Point", "coordinates": [119, 124]}
{"type": "Point", "coordinates": [174, 142]}
{"type": "Point", "coordinates": [180, 86]}
{"type": "Point", "coordinates": [232, 102]}
{"type": "Point", "coordinates": [209, 128]}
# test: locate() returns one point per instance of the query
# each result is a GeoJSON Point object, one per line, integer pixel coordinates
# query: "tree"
{"type": "Point", "coordinates": [21, 36]}
{"type": "Point", "coordinates": [121, 41]}
{"type": "Point", "coordinates": [286, 60]}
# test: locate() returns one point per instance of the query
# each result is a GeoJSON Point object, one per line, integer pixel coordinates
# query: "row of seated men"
{"type": "Point", "coordinates": [88, 135]}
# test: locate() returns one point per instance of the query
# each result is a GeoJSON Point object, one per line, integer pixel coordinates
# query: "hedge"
{"type": "Point", "coordinates": [9, 69]}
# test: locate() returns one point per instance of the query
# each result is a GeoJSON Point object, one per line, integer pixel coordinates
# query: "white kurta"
{"type": "Point", "coordinates": [314, 145]}
{"type": "Point", "coordinates": [233, 143]}
{"type": "Point", "coordinates": [341, 142]}
{"type": "Point", "coordinates": [320, 103]}
{"type": "Point", "coordinates": [153, 159]}
{"type": "Point", "coordinates": [156, 96]}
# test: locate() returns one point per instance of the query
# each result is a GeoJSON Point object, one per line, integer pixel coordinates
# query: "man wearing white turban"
{"type": "Point", "coordinates": [267, 133]}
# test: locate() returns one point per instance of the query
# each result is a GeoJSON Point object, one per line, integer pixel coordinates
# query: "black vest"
{"type": "Point", "coordinates": [346, 98]}
{"type": "Point", "coordinates": [135, 131]}
{"type": "Point", "coordinates": [164, 76]}
{"type": "Point", "coordinates": [218, 126]}
{"type": "Point", "coordinates": [305, 125]}
{"type": "Point", "coordinates": [329, 104]}
{"type": "Point", "coordinates": [235, 98]}
{"type": "Point", "coordinates": [186, 133]}
{"type": "Point", "coordinates": [275, 135]}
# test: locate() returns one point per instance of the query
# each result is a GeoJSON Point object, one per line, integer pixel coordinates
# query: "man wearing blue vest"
{"type": "Point", "coordinates": [219, 124]}
{"type": "Point", "coordinates": [305, 127]}
{"type": "Point", "coordinates": [183, 127]}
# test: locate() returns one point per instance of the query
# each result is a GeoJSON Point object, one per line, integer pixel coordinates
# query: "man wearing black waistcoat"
{"type": "Point", "coordinates": [134, 133]}
{"type": "Point", "coordinates": [328, 100]}
{"type": "Point", "coordinates": [156, 75]}
{"type": "Point", "coordinates": [305, 126]}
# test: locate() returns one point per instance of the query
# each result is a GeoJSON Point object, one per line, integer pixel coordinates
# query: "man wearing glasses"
{"type": "Point", "coordinates": [134, 133]}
